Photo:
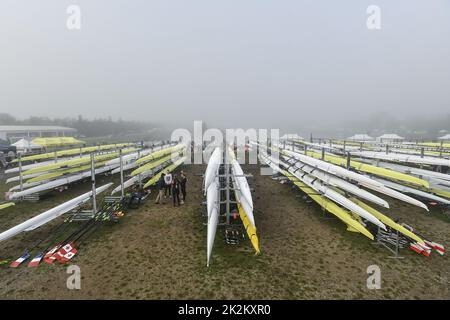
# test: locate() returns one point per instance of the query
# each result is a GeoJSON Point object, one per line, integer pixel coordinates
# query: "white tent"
{"type": "Point", "coordinates": [360, 137]}
{"type": "Point", "coordinates": [390, 138]}
{"type": "Point", "coordinates": [291, 136]}
{"type": "Point", "coordinates": [445, 138]}
{"type": "Point", "coordinates": [24, 145]}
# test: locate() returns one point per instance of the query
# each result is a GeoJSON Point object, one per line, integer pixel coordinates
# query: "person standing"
{"type": "Point", "coordinates": [168, 181]}
{"type": "Point", "coordinates": [175, 191]}
{"type": "Point", "coordinates": [183, 181]}
{"type": "Point", "coordinates": [161, 187]}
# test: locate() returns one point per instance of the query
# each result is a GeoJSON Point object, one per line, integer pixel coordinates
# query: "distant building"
{"type": "Point", "coordinates": [390, 138]}
{"type": "Point", "coordinates": [445, 138]}
{"type": "Point", "coordinates": [15, 133]}
{"type": "Point", "coordinates": [291, 136]}
{"type": "Point", "coordinates": [361, 138]}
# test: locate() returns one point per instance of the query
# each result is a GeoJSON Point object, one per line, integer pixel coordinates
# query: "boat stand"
{"type": "Point", "coordinates": [391, 241]}
{"type": "Point", "coordinates": [31, 197]}
{"type": "Point", "coordinates": [83, 215]}
{"type": "Point", "coordinates": [233, 235]}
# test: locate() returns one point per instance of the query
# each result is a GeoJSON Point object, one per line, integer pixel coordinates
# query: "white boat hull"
{"type": "Point", "coordinates": [51, 214]}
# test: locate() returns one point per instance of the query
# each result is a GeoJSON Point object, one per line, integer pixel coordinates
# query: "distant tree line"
{"type": "Point", "coordinates": [86, 127]}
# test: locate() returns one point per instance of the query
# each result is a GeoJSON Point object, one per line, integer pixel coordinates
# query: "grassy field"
{"type": "Point", "coordinates": [159, 252]}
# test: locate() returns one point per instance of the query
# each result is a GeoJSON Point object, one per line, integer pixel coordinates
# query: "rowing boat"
{"type": "Point", "coordinates": [70, 152]}
{"type": "Point", "coordinates": [373, 170]}
{"type": "Point", "coordinates": [160, 153]}
{"type": "Point", "coordinates": [51, 214]}
{"type": "Point", "coordinates": [58, 183]}
{"type": "Point", "coordinates": [213, 167]}
{"type": "Point", "coordinates": [388, 221]}
{"type": "Point", "coordinates": [213, 197]}
{"type": "Point", "coordinates": [333, 195]}
{"type": "Point", "coordinates": [332, 168]}
{"type": "Point", "coordinates": [6, 205]}
{"type": "Point", "coordinates": [77, 162]}
{"type": "Point", "coordinates": [412, 170]}
{"type": "Point", "coordinates": [58, 173]}
{"type": "Point", "coordinates": [170, 168]}
{"type": "Point", "coordinates": [339, 183]}
{"type": "Point", "coordinates": [241, 180]}
{"type": "Point", "coordinates": [151, 165]}
{"type": "Point", "coordinates": [406, 189]}
{"type": "Point", "coordinates": [362, 180]}
{"type": "Point", "coordinates": [146, 174]}
{"type": "Point", "coordinates": [398, 157]}
{"type": "Point", "coordinates": [24, 178]}
{"type": "Point", "coordinates": [345, 216]}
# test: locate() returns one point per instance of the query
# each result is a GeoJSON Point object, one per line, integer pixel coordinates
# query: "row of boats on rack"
{"type": "Point", "coordinates": [38, 175]}
{"type": "Point", "coordinates": [348, 181]}
{"type": "Point", "coordinates": [344, 180]}
{"type": "Point", "coordinates": [224, 174]}
{"type": "Point", "coordinates": [344, 183]}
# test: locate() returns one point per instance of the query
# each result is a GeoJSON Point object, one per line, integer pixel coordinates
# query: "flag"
{"type": "Point", "coordinates": [66, 253]}
{"type": "Point", "coordinates": [36, 260]}
{"type": "Point", "coordinates": [49, 256]}
{"type": "Point", "coordinates": [19, 261]}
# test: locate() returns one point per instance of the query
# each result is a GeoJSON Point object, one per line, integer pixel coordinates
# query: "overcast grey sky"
{"type": "Point", "coordinates": [229, 62]}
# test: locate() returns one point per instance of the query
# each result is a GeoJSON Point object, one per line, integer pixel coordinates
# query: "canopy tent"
{"type": "Point", "coordinates": [390, 138]}
{"type": "Point", "coordinates": [291, 136]}
{"type": "Point", "coordinates": [445, 138]}
{"type": "Point", "coordinates": [56, 142]}
{"type": "Point", "coordinates": [24, 145]}
{"type": "Point", "coordinates": [360, 137]}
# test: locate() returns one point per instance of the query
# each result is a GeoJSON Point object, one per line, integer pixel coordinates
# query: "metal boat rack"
{"type": "Point", "coordinates": [83, 215]}
{"type": "Point", "coordinates": [391, 240]}
{"type": "Point", "coordinates": [32, 198]}
{"type": "Point", "coordinates": [233, 233]}
{"type": "Point", "coordinates": [36, 197]}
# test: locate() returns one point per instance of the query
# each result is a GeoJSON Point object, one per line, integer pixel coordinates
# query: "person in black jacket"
{"type": "Point", "coordinates": [175, 190]}
{"type": "Point", "coordinates": [183, 181]}
{"type": "Point", "coordinates": [161, 187]}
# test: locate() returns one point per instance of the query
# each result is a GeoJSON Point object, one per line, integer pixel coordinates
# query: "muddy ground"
{"type": "Point", "coordinates": [159, 252]}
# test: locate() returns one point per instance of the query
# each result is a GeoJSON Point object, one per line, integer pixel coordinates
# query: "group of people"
{"type": "Point", "coordinates": [170, 185]}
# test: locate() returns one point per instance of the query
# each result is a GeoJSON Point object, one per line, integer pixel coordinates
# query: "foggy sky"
{"type": "Point", "coordinates": [230, 62]}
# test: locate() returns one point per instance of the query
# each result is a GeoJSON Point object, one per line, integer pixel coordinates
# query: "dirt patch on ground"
{"type": "Point", "coordinates": [159, 252]}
